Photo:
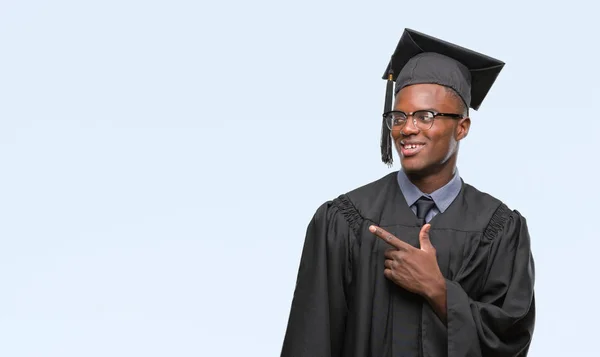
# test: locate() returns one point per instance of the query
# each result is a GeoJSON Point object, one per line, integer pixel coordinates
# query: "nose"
{"type": "Point", "coordinates": [410, 128]}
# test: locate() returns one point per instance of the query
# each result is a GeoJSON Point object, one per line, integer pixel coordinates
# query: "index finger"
{"type": "Point", "coordinates": [390, 238]}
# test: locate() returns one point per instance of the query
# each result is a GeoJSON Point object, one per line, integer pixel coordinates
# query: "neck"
{"type": "Point", "coordinates": [429, 182]}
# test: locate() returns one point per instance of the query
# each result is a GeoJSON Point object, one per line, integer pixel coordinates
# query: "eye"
{"type": "Point", "coordinates": [424, 116]}
{"type": "Point", "coordinates": [398, 117]}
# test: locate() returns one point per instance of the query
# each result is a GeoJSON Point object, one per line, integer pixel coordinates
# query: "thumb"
{"type": "Point", "coordinates": [424, 238]}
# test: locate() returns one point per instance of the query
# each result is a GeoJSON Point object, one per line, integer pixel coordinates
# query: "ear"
{"type": "Point", "coordinates": [462, 129]}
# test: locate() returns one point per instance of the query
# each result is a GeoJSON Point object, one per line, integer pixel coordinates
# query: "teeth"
{"type": "Point", "coordinates": [412, 146]}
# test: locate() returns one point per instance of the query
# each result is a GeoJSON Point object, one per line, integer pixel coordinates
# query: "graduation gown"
{"type": "Point", "coordinates": [343, 305]}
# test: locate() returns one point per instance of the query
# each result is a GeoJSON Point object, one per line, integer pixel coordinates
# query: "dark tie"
{"type": "Point", "coordinates": [424, 205]}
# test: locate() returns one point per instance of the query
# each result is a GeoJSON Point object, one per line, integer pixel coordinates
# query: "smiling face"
{"type": "Point", "coordinates": [434, 150]}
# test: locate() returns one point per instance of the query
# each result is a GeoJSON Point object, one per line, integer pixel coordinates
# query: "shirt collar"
{"type": "Point", "coordinates": [442, 197]}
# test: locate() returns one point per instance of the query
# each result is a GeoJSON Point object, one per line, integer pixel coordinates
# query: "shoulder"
{"type": "Point", "coordinates": [484, 199]}
{"type": "Point", "coordinates": [480, 199]}
{"type": "Point", "coordinates": [367, 191]}
{"type": "Point", "coordinates": [370, 198]}
{"type": "Point", "coordinates": [357, 204]}
{"type": "Point", "coordinates": [503, 218]}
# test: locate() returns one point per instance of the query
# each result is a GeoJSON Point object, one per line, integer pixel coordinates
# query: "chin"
{"type": "Point", "coordinates": [412, 166]}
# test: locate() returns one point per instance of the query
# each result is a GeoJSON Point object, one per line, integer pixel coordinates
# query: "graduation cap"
{"type": "Point", "coordinates": [420, 58]}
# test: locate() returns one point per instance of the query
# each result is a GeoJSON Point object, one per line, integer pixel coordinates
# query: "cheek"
{"type": "Point", "coordinates": [442, 143]}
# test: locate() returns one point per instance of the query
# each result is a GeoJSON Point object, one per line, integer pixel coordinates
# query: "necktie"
{"type": "Point", "coordinates": [424, 205]}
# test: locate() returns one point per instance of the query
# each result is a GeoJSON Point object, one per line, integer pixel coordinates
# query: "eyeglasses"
{"type": "Point", "coordinates": [422, 119]}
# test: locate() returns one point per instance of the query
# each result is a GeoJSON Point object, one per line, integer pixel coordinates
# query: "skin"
{"type": "Point", "coordinates": [434, 165]}
{"type": "Point", "coordinates": [417, 269]}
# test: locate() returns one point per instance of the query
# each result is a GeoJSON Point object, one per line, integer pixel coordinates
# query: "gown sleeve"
{"type": "Point", "coordinates": [318, 311]}
{"type": "Point", "coordinates": [499, 321]}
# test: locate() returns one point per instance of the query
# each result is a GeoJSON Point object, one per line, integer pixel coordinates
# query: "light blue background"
{"type": "Point", "coordinates": [160, 160]}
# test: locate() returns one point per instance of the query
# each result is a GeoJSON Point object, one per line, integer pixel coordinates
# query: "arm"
{"type": "Point", "coordinates": [436, 297]}
{"type": "Point", "coordinates": [500, 320]}
{"type": "Point", "coordinates": [318, 312]}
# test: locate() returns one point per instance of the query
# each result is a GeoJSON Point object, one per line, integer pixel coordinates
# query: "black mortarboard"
{"type": "Point", "coordinates": [420, 58]}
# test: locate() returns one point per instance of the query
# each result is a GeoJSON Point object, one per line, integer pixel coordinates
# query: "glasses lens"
{"type": "Point", "coordinates": [424, 119]}
{"type": "Point", "coordinates": [395, 120]}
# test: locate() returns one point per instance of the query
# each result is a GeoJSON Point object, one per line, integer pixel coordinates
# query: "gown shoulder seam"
{"type": "Point", "coordinates": [349, 212]}
{"type": "Point", "coordinates": [497, 222]}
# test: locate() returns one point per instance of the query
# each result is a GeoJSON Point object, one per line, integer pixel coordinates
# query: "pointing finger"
{"type": "Point", "coordinates": [390, 238]}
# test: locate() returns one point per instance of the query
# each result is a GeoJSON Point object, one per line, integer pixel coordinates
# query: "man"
{"type": "Point", "coordinates": [418, 263]}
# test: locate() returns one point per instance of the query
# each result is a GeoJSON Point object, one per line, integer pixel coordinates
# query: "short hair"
{"type": "Point", "coordinates": [462, 106]}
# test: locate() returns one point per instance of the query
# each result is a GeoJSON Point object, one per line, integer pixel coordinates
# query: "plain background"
{"type": "Point", "coordinates": [160, 160]}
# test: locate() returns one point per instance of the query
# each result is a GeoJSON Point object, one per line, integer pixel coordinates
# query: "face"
{"type": "Point", "coordinates": [433, 150]}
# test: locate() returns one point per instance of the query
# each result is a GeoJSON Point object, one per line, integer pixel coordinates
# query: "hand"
{"type": "Point", "coordinates": [414, 269]}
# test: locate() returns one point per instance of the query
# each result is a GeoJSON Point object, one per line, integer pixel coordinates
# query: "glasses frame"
{"type": "Point", "coordinates": [409, 115]}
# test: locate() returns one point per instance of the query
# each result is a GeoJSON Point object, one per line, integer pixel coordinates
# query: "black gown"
{"type": "Point", "coordinates": [343, 305]}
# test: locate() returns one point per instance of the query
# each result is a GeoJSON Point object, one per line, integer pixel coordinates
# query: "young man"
{"type": "Point", "coordinates": [418, 263]}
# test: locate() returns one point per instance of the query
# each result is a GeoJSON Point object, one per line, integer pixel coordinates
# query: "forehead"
{"type": "Point", "coordinates": [423, 96]}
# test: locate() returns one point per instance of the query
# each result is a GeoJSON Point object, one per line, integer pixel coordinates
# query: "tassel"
{"type": "Point", "coordinates": [386, 138]}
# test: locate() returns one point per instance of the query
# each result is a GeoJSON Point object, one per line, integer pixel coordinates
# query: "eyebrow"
{"type": "Point", "coordinates": [418, 110]}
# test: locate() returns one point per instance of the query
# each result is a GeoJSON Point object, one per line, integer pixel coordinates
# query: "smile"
{"type": "Point", "coordinates": [410, 149]}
